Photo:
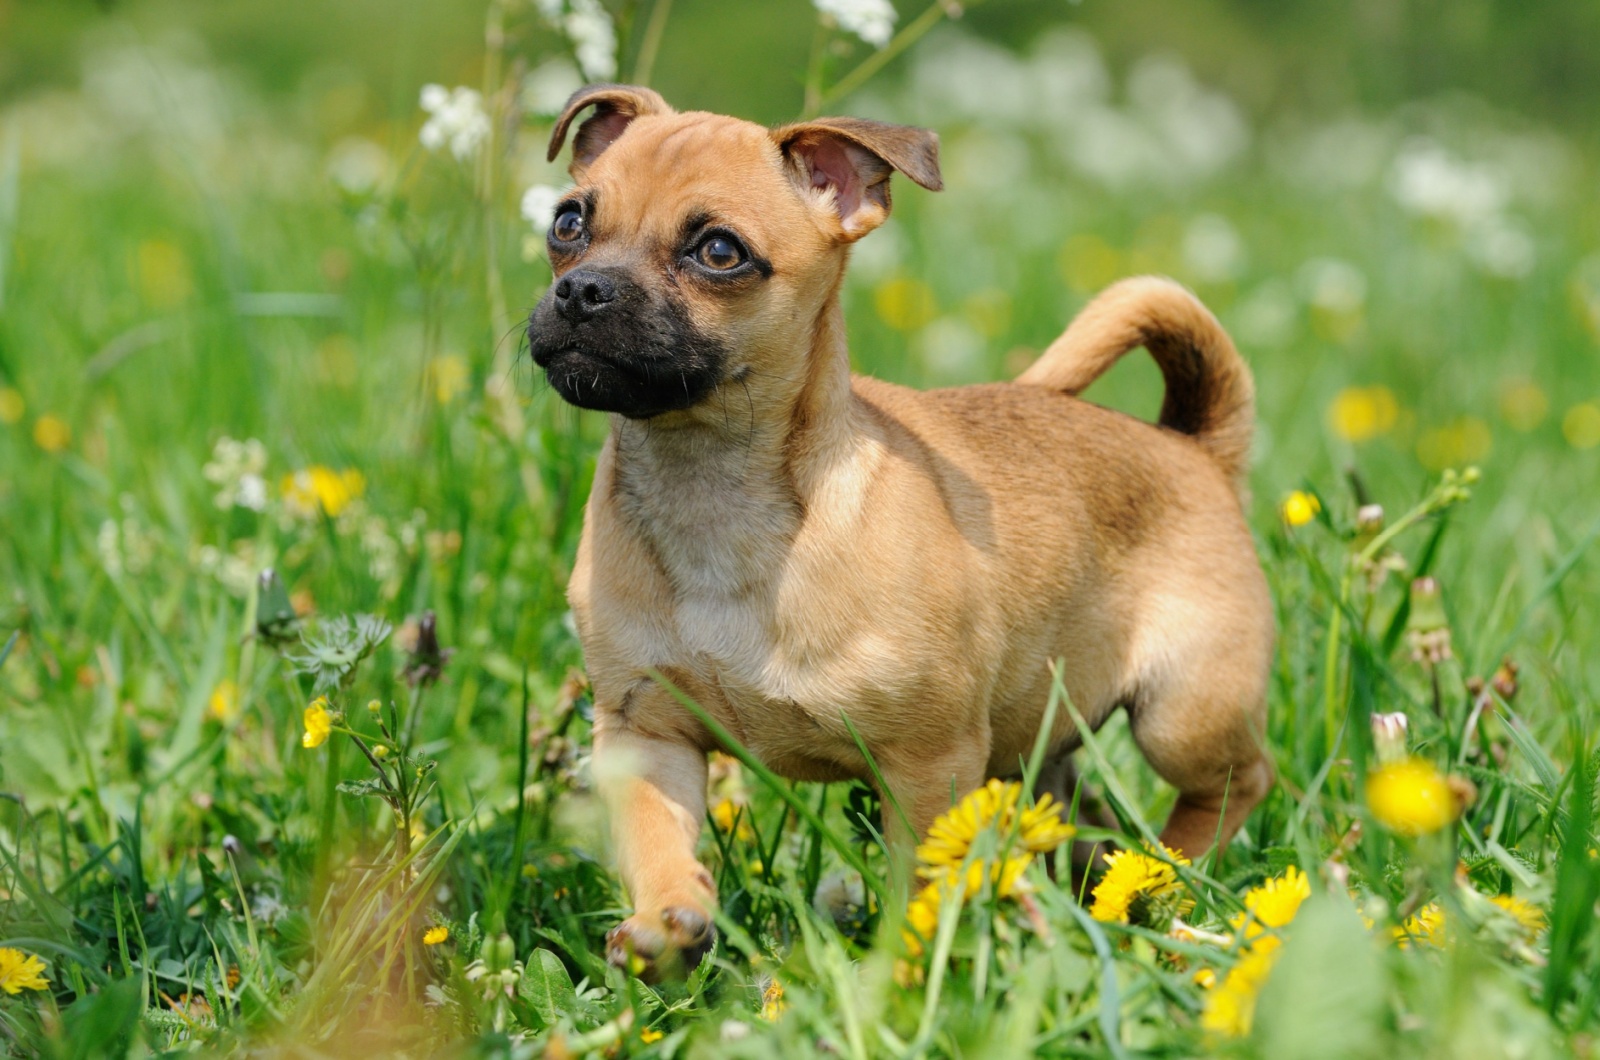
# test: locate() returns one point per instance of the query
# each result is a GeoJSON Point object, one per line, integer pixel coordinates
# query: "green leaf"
{"type": "Point", "coordinates": [362, 788]}
{"type": "Point", "coordinates": [547, 987]}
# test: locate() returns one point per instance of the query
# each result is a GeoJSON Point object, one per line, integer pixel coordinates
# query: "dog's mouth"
{"type": "Point", "coordinates": [637, 388]}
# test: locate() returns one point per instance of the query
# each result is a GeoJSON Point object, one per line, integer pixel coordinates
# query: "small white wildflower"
{"type": "Point", "coordinates": [252, 493]}
{"type": "Point", "coordinates": [1333, 285]}
{"type": "Point", "coordinates": [457, 119]}
{"type": "Point", "coordinates": [1502, 247]}
{"type": "Point", "coordinates": [357, 164]}
{"type": "Point", "coordinates": [1429, 181]}
{"type": "Point", "coordinates": [594, 39]}
{"type": "Point", "coordinates": [1212, 248]}
{"type": "Point", "coordinates": [108, 543]}
{"type": "Point", "coordinates": [735, 1030]}
{"type": "Point", "coordinates": [871, 20]}
{"type": "Point", "coordinates": [539, 204]}
{"type": "Point", "coordinates": [236, 470]}
{"type": "Point", "coordinates": [546, 90]}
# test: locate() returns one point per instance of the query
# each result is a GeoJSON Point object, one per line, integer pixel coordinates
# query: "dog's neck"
{"type": "Point", "coordinates": [720, 493]}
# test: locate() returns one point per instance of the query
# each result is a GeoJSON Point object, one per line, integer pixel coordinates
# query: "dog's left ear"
{"type": "Point", "coordinates": [615, 106]}
{"type": "Point", "coordinates": [853, 158]}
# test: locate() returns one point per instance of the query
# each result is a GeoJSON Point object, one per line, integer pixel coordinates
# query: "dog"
{"type": "Point", "coordinates": [792, 546]}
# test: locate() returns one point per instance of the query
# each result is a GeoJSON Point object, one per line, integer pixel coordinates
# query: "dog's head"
{"type": "Point", "coordinates": [695, 249]}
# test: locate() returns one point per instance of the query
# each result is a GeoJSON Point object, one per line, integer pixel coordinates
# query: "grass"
{"type": "Point", "coordinates": [177, 267]}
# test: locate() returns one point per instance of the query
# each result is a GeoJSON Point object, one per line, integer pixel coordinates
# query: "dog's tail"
{"type": "Point", "coordinates": [1210, 395]}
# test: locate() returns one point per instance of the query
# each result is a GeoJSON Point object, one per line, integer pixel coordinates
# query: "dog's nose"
{"type": "Point", "coordinates": [580, 294]}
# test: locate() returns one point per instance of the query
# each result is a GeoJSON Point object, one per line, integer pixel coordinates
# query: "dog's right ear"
{"type": "Point", "coordinates": [614, 107]}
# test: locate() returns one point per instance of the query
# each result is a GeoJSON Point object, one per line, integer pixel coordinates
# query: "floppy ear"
{"type": "Point", "coordinates": [614, 107]}
{"type": "Point", "coordinates": [852, 158]}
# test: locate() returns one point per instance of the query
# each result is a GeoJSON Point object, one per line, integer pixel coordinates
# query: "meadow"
{"type": "Point", "coordinates": [293, 723]}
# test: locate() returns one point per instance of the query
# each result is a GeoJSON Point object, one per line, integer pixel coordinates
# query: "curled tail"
{"type": "Point", "coordinates": [1209, 396]}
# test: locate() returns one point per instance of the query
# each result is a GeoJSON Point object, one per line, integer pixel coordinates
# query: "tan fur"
{"type": "Point", "coordinates": [806, 545]}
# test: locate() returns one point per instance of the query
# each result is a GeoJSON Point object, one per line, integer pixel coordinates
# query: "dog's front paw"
{"type": "Point", "coordinates": [663, 945]}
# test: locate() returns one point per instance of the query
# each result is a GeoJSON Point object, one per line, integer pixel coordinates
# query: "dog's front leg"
{"type": "Point", "coordinates": [655, 790]}
{"type": "Point", "coordinates": [921, 787]}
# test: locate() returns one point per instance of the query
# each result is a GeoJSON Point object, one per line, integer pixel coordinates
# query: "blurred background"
{"type": "Point", "coordinates": [264, 268]}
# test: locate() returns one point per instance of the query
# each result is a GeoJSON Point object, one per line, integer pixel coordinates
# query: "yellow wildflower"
{"type": "Point", "coordinates": [922, 913]}
{"type": "Point", "coordinates": [321, 489]}
{"type": "Point", "coordinates": [1272, 906]}
{"type": "Point", "coordinates": [1581, 425]}
{"type": "Point", "coordinates": [1527, 915]}
{"type": "Point", "coordinates": [449, 376]}
{"type": "Point", "coordinates": [1465, 440]}
{"type": "Point", "coordinates": [1300, 507]}
{"type": "Point", "coordinates": [772, 1003]}
{"type": "Point", "coordinates": [730, 820]}
{"type": "Point", "coordinates": [650, 1036]}
{"type": "Point", "coordinates": [1523, 405]}
{"type": "Point", "coordinates": [51, 433]}
{"type": "Point", "coordinates": [21, 971]}
{"type": "Point", "coordinates": [1039, 829]}
{"type": "Point", "coordinates": [435, 935]}
{"type": "Point", "coordinates": [224, 701]}
{"type": "Point", "coordinates": [319, 723]}
{"type": "Point", "coordinates": [1205, 978]}
{"type": "Point", "coordinates": [1132, 877]}
{"type": "Point", "coordinates": [905, 304]}
{"type": "Point", "coordinates": [1425, 926]}
{"type": "Point", "coordinates": [1360, 413]}
{"type": "Point", "coordinates": [1411, 797]}
{"type": "Point", "coordinates": [11, 405]}
{"type": "Point", "coordinates": [1231, 1005]}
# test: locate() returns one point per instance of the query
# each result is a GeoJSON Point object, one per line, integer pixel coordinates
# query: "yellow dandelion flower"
{"type": "Point", "coordinates": [1205, 978]}
{"type": "Point", "coordinates": [1133, 876]}
{"type": "Point", "coordinates": [1523, 405]}
{"type": "Point", "coordinates": [922, 919]}
{"type": "Point", "coordinates": [772, 1003]}
{"type": "Point", "coordinates": [1360, 413]}
{"type": "Point", "coordinates": [650, 1036]}
{"type": "Point", "coordinates": [1230, 1007]}
{"type": "Point", "coordinates": [1581, 425]}
{"type": "Point", "coordinates": [224, 702]}
{"type": "Point", "coordinates": [996, 804]}
{"type": "Point", "coordinates": [1527, 915]}
{"type": "Point", "coordinates": [21, 971]}
{"type": "Point", "coordinates": [435, 935]}
{"type": "Point", "coordinates": [1300, 507]}
{"type": "Point", "coordinates": [1411, 797]}
{"type": "Point", "coordinates": [318, 722]}
{"type": "Point", "coordinates": [51, 433]}
{"type": "Point", "coordinates": [1272, 905]}
{"type": "Point", "coordinates": [449, 377]}
{"type": "Point", "coordinates": [11, 405]}
{"type": "Point", "coordinates": [905, 304]}
{"type": "Point", "coordinates": [1427, 926]}
{"type": "Point", "coordinates": [321, 489]}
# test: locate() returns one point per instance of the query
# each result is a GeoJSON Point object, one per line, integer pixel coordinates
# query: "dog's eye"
{"type": "Point", "coordinates": [567, 227]}
{"type": "Point", "coordinates": [720, 254]}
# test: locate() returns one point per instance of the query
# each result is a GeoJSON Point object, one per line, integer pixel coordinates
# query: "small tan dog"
{"type": "Point", "coordinates": [789, 544]}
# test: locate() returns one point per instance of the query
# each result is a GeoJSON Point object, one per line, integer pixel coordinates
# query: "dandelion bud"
{"type": "Point", "coordinates": [500, 952]}
{"type": "Point", "coordinates": [426, 660]}
{"type": "Point", "coordinates": [1389, 736]}
{"type": "Point", "coordinates": [1463, 792]}
{"type": "Point", "coordinates": [1369, 519]}
{"type": "Point", "coordinates": [1505, 680]}
{"type": "Point", "coordinates": [1427, 628]}
{"type": "Point", "coordinates": [276, 620]}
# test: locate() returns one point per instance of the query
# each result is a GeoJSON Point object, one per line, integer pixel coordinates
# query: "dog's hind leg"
{"type": "Point", "coordinates": [1205, 735]}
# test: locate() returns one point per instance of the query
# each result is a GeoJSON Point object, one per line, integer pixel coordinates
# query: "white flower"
{"type": "Point", "coordinates": [871, 20]}
{"type": "Point", "coordinates": [539, 204]}
{"type": "Point", "coordinates": [546, 90]}
{"type": "Point", "coordinates": [1428, 181]}
{"type": "Point", "coordinates": [236, 470]}
{"type": "Point", "coordinates": [1333, 285]}
{"type": "Point", "coordinates": [594, 39]}
{"type": "Point", "coordinates": [1212, 248]}
{"type": "Point", "coordinates": [457, 119]}
{"type": "Point", "coordinates": [357, 164]}
{"type": "Point", "coordinates": [1501, 247]}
